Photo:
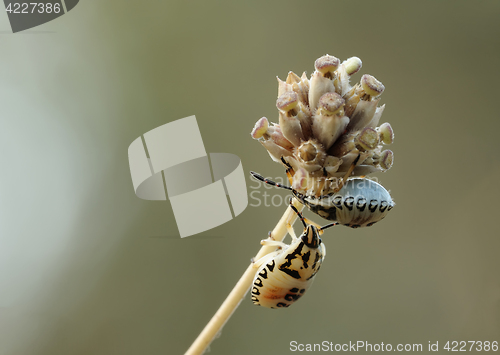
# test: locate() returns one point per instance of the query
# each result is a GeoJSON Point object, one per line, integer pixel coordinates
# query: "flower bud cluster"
{"type": "Point", "coordinates": [325, 123]}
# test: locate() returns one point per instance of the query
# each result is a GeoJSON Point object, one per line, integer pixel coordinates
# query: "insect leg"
{"type": "Point", "coordinates": [289, 170]}
{"type": "Point", "coordinates": [270, 241]}
{"type": "Point", "coordinates": [291, 232]}
{"type": "Point", "coordinates": [259, 262]}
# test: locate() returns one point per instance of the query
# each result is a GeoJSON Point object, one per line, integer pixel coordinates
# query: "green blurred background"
{"type": "Point", "coordinates": [88, 268]}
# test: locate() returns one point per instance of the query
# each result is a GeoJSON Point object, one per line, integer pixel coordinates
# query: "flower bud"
{"type": "Point", "coordinates": [341, 81]}
{"type": "Point", "coordinates": [260, 128]}
{"type": "Point", "coordinates": [331, 104]}
{"type": "Point", "coordinates": [326, 65]}
{"type": "Point", "coordinates": [386, 159]}
{"type": "Point", "coordinates": [329, 121]}
{"type": "Point", "coordinates": [386, 133]}
{"type": "Point", "coordinates": [287, 103]}
{"type": "Point", "coordinates": [372, 86]}
{"type": "Point", "coordinates": [352, 65]}
{"type": "Point", "coordinates": [367, 139]}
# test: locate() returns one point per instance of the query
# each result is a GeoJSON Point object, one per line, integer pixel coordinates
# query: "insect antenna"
{"type": "Point", "coordinates": [328, 226]}
{"type": "Point", "coordinates": [299, 214]}
{"type": "Point", "coordinates": [306, 221]}
{"type": "Point", "coordinates": [270, 182]}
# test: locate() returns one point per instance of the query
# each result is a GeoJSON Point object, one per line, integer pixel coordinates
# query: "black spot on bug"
{"type": "Point", "coordinates": [355, 226]}
{"type": "Point", "coordinates": [291, 297]}
{"type": "Point", "coordinates": [281, 304]}
{"type": "Point", "coordinates": [305, 258]}
{"type": "Point", "coordinates": [293, 273]}
{"type": "Point", "coordinates": [294, 290]}
{"type": "Point", "coordinates": [383, 206]}
{"type": "Point", "coordinates": [303, 290]}
{"type": "Point", "coordinates": [337, 201]}
{"type": "Point", "coordinates": [255, 291]}
{"type": "Point", "coordinates": [361, 204]}
{"type": "Point", "coordinates": [292, 255]}
{"type": "Point", "coordinates": [271, 265]}
{"type": "Point", "coordinates": [285, 267]}
{"type": "Point", "coordinates": [316, 259]}
{"type": "Point", "coordinates": [263, 273]}
{"type": "Point", "coordinates": [371, 224]}
{"type": "Point", "coordinates": [258, 282]}
{"type": "Point", "coordinates": [348, 202]}
{"type": "Point", "coordinates": [390, 207]}
{"type": "Point", "coordinates": [373, 205]}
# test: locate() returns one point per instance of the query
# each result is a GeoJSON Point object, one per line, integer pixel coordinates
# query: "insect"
{"type": "Point", "coordinates": [357, 202]}
{"type": "Point", "coordinates": [284, 275]}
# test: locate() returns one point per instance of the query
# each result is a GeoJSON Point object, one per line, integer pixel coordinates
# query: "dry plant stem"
{"type": "Point", "coordinates": [239, 291]}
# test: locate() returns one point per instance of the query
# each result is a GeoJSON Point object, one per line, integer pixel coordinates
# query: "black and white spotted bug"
{"type": "Point", "coordinates": [284, 275]}
{"type": "Point", "coordinates": [359, 202]}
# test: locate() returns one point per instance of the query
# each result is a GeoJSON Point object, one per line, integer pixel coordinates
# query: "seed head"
{"type": "Point", "coordinates": [367, 139]}
{"type": "Point", "coordinates": [326, 65]}
{"type": "Point", "coordinates": [287, 103]}
{"type": "Point", "coordinates": [260, 128]}
{"type": "Point", "coordinates": [325, 123]}
{"type": "Point", "coordinates": [352, 65]}
{"type": "Point", "coordinates": [331, 103]}
{"type": "Point", "coordinates": [372, 86]}
{"type": "Point", "coordinates": [386, 133]}
{"type": "Point", "coordinates": [386, 159]}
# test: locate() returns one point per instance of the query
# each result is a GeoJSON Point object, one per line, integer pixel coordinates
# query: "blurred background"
{"type": "Point", "coordinates": [86, 267]}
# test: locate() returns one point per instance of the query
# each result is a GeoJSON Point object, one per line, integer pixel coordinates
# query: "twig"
{"type": "Point", "coordinates": [241, 288]}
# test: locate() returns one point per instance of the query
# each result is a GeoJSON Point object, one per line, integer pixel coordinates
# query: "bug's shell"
{"type": "Point", "coordinates": [360, 203]}
{"type": "Point", "coordinates": [288, 273]}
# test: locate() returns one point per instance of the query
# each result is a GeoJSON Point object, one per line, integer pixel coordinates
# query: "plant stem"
{"type": "Point", "coordinates": [241, 288]}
